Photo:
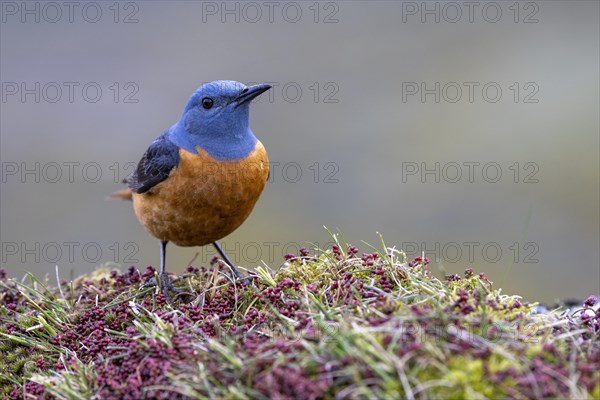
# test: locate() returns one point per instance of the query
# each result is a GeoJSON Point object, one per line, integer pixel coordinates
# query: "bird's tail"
{"type": "Point", "coordinates": [125, 194]}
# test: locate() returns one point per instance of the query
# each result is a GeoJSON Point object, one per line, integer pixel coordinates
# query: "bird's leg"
{"type": "Point", "coordinates": [235, 271]}
{"type": "Point", "coordinates": [165, 281]}
{"type": "Point", "coordinates": [163, 256]}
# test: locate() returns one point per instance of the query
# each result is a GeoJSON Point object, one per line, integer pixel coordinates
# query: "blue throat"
{"type": "Point", "coordinates": [228, 147]}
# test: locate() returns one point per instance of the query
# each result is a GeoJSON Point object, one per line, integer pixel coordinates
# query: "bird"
{"type": "Point", "coordinates": [200, 179]}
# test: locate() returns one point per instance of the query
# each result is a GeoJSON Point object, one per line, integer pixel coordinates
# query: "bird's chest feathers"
{"type": "Point", "coordinates": [200, 180]}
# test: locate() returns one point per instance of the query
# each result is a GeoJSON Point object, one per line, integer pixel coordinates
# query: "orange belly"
{"type": "Point", "coordinates": [203, 200]}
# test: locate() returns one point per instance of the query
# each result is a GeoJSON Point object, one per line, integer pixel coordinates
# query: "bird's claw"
{"type": "Point", "coordinates": [165, 283]}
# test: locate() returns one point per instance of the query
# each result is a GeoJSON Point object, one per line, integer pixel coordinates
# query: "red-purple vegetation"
{"type": "Point", "coordinates": [373, 326]}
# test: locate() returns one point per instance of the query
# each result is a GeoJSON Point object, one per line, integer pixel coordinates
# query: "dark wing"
{"type": "Point", "coordinates": [155, 166]}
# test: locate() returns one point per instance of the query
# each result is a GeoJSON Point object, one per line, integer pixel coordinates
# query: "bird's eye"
{"type": "Point", "coordinates": [207, 103]}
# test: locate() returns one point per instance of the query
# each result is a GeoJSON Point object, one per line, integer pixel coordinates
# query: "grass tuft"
{"type": "Point", "coordinates": [331, 323]}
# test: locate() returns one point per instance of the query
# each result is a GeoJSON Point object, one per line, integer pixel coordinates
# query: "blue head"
{"type": "Point", "coordinates": [216, 118]}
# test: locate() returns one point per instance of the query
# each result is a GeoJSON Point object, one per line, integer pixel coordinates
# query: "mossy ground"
{"type": "Point", "coordinates": [337, 325]}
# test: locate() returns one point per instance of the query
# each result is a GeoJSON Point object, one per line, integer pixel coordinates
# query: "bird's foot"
{"type": "Point", "coordinates": [165, 283]}
{"type": "Point", "coordinates": [249, 278]}
{"type": "Point", "coordinates": [236, 275]}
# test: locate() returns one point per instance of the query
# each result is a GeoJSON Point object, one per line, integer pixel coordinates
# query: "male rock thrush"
{"type": "Point", "coordinates": [199, 180]}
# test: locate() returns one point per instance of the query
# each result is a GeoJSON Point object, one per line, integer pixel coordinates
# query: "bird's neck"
{"type": "Point", "coordinates": [228, 146]}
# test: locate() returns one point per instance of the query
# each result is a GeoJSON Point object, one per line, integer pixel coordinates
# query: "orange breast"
{"type": "Point", "coordinates": [203, 200]}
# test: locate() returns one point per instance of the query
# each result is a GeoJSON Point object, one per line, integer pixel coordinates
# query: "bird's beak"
{"type": "Point", "coordinates": [250, 93]}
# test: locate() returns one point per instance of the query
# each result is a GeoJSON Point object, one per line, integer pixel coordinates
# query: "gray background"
{"type": "Point", "coordinates": [362, 127]}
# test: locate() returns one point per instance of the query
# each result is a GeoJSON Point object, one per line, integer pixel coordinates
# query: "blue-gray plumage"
{"type": "Point", "coordinates": [155, 166]}
{"type": "Point", "coordinates": [223, 130]}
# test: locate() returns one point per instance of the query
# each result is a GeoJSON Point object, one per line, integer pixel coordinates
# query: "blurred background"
{"type": "Point", "coordinates": [469, 132]}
